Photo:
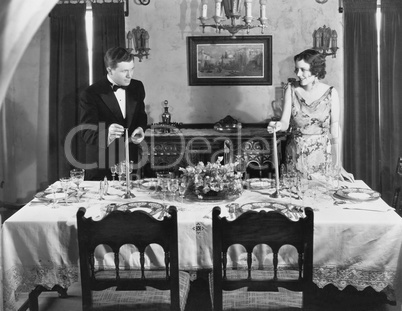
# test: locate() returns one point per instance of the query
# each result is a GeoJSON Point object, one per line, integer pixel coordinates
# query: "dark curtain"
{"type": "Point", "coordinates": [109, 31]}
{"type": "Point", "coordinates": [391, 92]}
{"type": "Point", "coordinates": [361, 152]}
{"type": "Point", "coordinates": [69, 74]}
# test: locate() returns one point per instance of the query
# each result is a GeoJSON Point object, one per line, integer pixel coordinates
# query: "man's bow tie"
{"type": "Point", "coordinates": [115, 87]}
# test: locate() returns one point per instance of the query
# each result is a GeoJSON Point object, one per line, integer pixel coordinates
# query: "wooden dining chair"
{"type": "Point", "coordinates": [397, 198]}
{"type": "Point", "coordinates": [130, 288]}
{"type": "Point", "coordinates": [252, 288]}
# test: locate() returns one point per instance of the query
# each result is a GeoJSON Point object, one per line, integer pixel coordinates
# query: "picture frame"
{"type": "Point", "coordinates": [228, 60]}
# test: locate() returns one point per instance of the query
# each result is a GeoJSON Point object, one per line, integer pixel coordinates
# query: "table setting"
{"type": "Point", "coordinates": [355, 231]}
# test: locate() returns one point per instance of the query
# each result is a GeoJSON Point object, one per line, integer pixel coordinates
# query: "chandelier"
{"type": "Point", "coordinates": [232, 10]}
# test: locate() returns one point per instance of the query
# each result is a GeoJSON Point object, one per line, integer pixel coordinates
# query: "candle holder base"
{"type": "Point", "coordinates": [128, 195]}
{"type": "Point", "coordinates": [275, 195]}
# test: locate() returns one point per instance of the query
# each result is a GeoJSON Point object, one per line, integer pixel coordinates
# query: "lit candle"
{"type": "Point", "coordinates": [218, 7]}
{"type": "Point", "coordinates": [263, 5]}
{"type": "Point", "coordinates": [248, 8]}
{"type": "Point", "coordinates": [130, 40]}
{"type": "Point", "coordinates": [234, 7]}
{"type": "Point", "coordinates": [334, 39]}
{"type": "Point", "coordinates": [204, 8]}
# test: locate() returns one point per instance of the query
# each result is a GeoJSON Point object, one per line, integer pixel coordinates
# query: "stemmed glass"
{"type": "Point", "coordinates": [182, 187]}
{"type": "Point", "coordinates": [77, 177]}
{"type": "Point", "coordinates": [54, 190]}
{"type": "Point", "coordinates": [163, 179]}
{"type": "Point", "coordinates": [119, 172]}
{"type": "Point", "coordinates": [113, 170]}
{"type": "Point", "coordinates": [130, 170]}
{"type": "Point", "coordinates": [242, 167]}
{"type": "Point", "coordinates": [173, 186]}
{"type": "Point", "coordinates": [101, 190]}
{"type": "Point", "coordinates": [65, 185]}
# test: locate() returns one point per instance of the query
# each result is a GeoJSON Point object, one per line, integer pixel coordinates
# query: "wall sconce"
{"type": "Point", "coordinates": [138, 42]}
{"type": "Point", "coordinates": [232, 10]}
{"type": "Point", "coordinates": [325, 41]}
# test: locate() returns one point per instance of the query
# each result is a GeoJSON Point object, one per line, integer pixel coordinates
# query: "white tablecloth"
{"type": "Point", "coordinates": [352, 246]}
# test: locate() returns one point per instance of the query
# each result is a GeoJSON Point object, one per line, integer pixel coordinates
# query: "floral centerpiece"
{"type": "Point", "coordinates": [213, 180]}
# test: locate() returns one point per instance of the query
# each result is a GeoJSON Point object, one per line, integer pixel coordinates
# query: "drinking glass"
{"type": "Point", "coordinates": [119, 172]}
{"type": "Point", "coordinates": [113, 169]}
{"type": "Point", "coordinates": [163, 183]}
{"type": "Point", "coordinates": [173, 186]}
{"type": "Point", "coordinates": [77, 177]}
{"type": "Point", "coordinates": [101, 190]}
{"type": "Point", "coordinates": [54, 190]}
{"type": "Point", "coordinates": [65, 185]}
{"type": "Point", "coordinates": [182, 187]}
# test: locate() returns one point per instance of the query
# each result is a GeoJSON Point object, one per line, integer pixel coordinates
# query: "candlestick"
{"type": "Point", "coordinates": [263, 5]}
{"type": "Point", "coordinates": [276, 194]}
{"type": "Point", "coordinates": [204, 8]}
{"type": "Point", "coordinates": [128, 194]}
{"type": "Point", "coordinates": [218, 7]}
{"type": "Point", "coordinates": [248, 8]}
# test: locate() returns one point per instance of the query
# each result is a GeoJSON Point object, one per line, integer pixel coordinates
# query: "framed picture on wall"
{"type": "Point", "coordinates": [240, 60]}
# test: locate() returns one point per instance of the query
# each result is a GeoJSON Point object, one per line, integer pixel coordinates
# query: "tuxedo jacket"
{"type": "Point", "coordinates": [99, 108]}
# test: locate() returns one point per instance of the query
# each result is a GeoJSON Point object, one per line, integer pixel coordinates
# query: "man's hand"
{"type": "Point", "coordinates": [115, 131]}
{"type": "Point", "coordinates": [138, 135]}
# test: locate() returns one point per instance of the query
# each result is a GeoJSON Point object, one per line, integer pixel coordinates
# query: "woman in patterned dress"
{"type": "Point", "coordinates": [311, 110]}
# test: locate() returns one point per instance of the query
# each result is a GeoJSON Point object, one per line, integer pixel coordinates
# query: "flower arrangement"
{"type": "Point", "coordinates": [213, 179]}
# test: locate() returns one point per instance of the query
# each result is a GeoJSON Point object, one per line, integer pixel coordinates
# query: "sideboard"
{"type": "Point", "coordinates": [174, 147]}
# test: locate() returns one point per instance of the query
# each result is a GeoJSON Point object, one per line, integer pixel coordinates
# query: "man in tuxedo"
{"type": "Point", "coordinates": [107, 108]}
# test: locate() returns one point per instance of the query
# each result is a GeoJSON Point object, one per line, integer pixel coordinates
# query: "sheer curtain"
{"type": "Point", "coordinates": [361, 121]}
{"type": "Point", "coordinates": [69, 74]}
{"type": "Point", "coordinates": [391, 92]}
{"type": "Point", "coordinates": [109, 31]}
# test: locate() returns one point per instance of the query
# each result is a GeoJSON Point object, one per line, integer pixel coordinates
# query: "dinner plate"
{"type": "Point", "coordinates": [258, 205]}
{"type": "Point", "coordinates": [293, 212]}
{"type": "Point", "coordinates": [150, 207]}
{"type": "Point", "coordinates": [357, 194]}
{"type": "Point", "coordinates": [149, 183]}
{"type": "Point", "coordinates": [47, 195]}
{"type": "Point", "coordinates": [260, 183]}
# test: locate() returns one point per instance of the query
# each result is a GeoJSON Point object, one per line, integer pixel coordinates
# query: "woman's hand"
{"type": "Point", "coordinates": [346, 176]}
{"type": "Point", "coordinates": [274, 126]}
{"type": "Point", "coordinates": [138, 135]}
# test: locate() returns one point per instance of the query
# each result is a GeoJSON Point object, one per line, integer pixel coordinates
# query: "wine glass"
{"type": "Point", "coordinates": [119, 172]}
{"type": "Point", "coordinates": [101, 190]}
{"type": "Point", "coordinates": [113, 170]}
{"type": "Point", "coordinates": [130, 170]}
{"type": "Point", "coordinates": [163, 183]}
{"type": "Point", "coordinates": [65, 185]}
{"type": "Point", "coordinates": [54, 190]}
{"type": "Point", "coordinates": [77, 177]}
{"type": "Point", "coordinates": [182, 187]}
{"type": "Point", "coordinates": [173, 186]}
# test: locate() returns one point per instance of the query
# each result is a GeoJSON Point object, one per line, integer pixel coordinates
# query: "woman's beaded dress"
{"type": "Point", "coordinates": [308, 149]}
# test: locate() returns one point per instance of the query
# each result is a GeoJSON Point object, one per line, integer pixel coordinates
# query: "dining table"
{"type": "Point", "coordinates": [357, 236]}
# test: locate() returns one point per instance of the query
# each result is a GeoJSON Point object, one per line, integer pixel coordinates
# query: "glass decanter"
{"type": "Point", "coordinates": [166, 116]}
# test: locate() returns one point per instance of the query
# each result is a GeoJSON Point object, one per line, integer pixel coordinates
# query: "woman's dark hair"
{"type": "Point", "coordinates": [117, 55]}
{"type": "Point", "coordinates": [316, 61]}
